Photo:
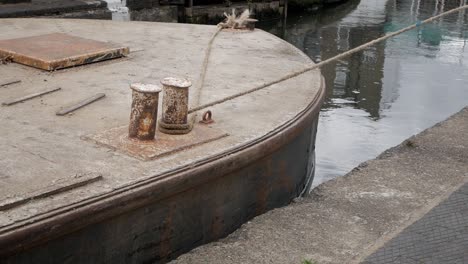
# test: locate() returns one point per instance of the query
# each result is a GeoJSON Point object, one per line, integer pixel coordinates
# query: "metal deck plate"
{"type": "Point", "coordinates": [117, 139]}
{"type": "Point", "coordinates": [54, 187]}
{"type": "Point", "coordinates": [56, 51]}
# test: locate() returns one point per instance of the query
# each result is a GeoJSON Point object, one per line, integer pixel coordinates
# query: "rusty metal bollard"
{"type": "Point", "coordinates": [144, 111]}
{"type": "Point", "coordinates": [174, 118]}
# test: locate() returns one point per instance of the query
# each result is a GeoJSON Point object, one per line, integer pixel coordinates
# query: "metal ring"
{"type": "Point", "coordinates": [206, 118]}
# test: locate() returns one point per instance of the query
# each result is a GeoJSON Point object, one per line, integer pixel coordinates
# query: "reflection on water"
{"type": "Point", "coordinates": [119, 10]}
{"type": "Point", "coordinates": [381, 96]}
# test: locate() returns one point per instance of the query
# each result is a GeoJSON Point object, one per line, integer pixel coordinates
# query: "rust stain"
{"type": "Point", "coordinates": [57, 50]}
{"type": "Point", "coordinates": [145, 124]}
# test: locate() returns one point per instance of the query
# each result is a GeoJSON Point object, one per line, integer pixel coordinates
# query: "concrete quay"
{"type": "Point", "coordinates": [401, 196]}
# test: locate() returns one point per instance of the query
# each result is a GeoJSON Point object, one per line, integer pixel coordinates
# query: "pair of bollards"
{"type": "Point", "coordinates": [144, 111]}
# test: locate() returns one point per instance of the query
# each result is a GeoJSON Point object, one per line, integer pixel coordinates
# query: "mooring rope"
{"type": "Point", "coordinates": [175, 129]}
{"type": "Point", "coordinates": [318, 65]}
{"type": "Point", "coordinates": [201, 79]}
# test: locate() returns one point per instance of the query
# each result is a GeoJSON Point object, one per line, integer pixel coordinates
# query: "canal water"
{"type": "Point", "coordinates": [381, 96]}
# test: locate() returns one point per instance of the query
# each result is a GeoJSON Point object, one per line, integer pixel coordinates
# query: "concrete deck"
{"type": "Point", "coordinates": [39, 149]}
{"type": "Point", "coordinates": [349, 218]}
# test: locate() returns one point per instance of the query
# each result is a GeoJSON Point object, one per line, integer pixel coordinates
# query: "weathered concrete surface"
{"type": "Point", "coordinates": [96, 9]}
{"type": "Point", "coordinates": [347, 219]}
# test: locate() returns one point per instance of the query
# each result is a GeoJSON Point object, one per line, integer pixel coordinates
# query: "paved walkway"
{"type": "Point", "coordinates": [440, 236]}
{"type": "Point", "coordinates": [370, 214]}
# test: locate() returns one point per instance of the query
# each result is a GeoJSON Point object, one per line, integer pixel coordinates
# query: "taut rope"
{"type": "Point", "coordinates": [315, 66]}
{"type": "Point", "coordinates": [201, 79]}
{"type": "Point", "coordinates": [198, 88]}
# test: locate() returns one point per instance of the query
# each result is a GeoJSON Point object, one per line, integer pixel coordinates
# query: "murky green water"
{"type": "Point", "coordinates": [381, 96]}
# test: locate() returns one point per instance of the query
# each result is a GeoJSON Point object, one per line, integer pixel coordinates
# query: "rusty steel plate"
{"type": "Point", "coordinates": [164, 144]}
{"type": "Point", "coordinates": [54, 187]}
{"type": "Point", "coordinates": [56, 51]}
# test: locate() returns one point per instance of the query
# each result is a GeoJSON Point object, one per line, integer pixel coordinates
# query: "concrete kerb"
{"type": "Point", "coordinates": [346, 219]}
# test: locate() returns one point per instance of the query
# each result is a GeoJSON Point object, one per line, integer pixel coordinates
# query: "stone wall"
{"type": "Point", "coordinates": [142, 4]}
{"type": "Point", "coordinates": [301, 5]}
{"type": "Point", "coordinates": [13, 1]}
{"type": "Point", "coordinates": [167, 13]}
{"type": "Point", "coordinates": [91, 9]}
